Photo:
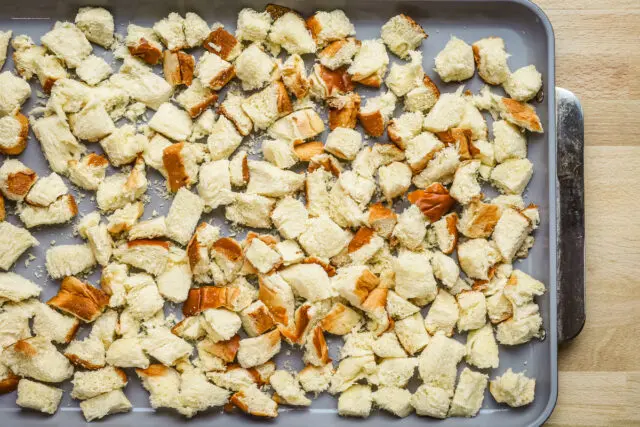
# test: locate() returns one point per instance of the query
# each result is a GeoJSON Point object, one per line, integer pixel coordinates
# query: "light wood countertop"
{"type": "Point", "coordinates": [598, 58]}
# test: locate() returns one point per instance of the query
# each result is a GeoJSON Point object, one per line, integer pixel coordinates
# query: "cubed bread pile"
{"type": "Point", "coordinates": [391, 246]}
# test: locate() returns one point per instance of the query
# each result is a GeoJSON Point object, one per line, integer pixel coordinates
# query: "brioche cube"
{"type": "Point", "coordinates": [446, 113]}
{"type": "Point", "coordinates": [172, 122]}
{"type": "Point", "coordinates": [446, 233]}
{"type": "Point", "coordinates": [351, 370]}
{"type": "Point", "coordinates": [521, 288]}
{"type": "Point", "coordinates": [410, 229]}
{"type": "Point", "coordinates": [37, 358]}
{"type": "Point", "coordinates": [297, 126]}
{"type": "Point", "coordinates": [141, 84]}
{"type": "Point", "coordinates": [224, 139]}
{"type": "Point", "coordinates": [290, 217]}
{"type": "Point", "coordinates": [195, 29]}
{"type": "Point", "coordinates": [68, 43]}
{"type": "Point", "coordinates": [522, 327]}
{"type": "Point", "coordinates": [370, 63]}
{"type": "Point", "coordinates": [14, 287]}
{"type": "Point", "coordinates": [330, 26]}
{"type": "Point", "coordinates": [315, 379]}
{"type": "Point", "coordinates": [38, 396]}
{"type": "Point", "coordinates": [513, 388]}
{"type": "Point", "coordinates": [481, 348]}
{"type": "Point", "coordinates": [339, 53]}
{"type": "Point", "coordinates": [376, 113]}
{"type": "Point", "coordinates": [404, 128]}
{"type": "Point", "coordinates": [88, 384]}
{"type": "Point", "coordinates": [473, 310]}
{"type": "Point", "coordinates": [510, 233]}
{"type": "Point", "coordinates": [231, 109]}
{"type": "Point", "coordinates": [53, 325]}
{"type": "Point", "coordinates": [49, 70]}
{"type": "Point", "coordinates": [124, 145]}
{"type": "Point", "coordinates": [441, 168]}
{"type": "Point", "coordinates": [343, 143]}
{"type": "Point", "coordinates": [403, 78]}
{"type": "Point", "coordinates": [421, 149]}
{"type": "Point", "coordinates": [119, 189]}
{"type": "Point", "coordinates": [171, 31]}
{"type": "Point", "coordinates": [477, 256]}
{"type": "Point", "coordinates": [394, 372]}
{"type": "Point", "coordinates": [309, 281]}
{"type": "Point", "coordinates": [288, 389]}
{"type": "Point", "coordinates": [165, 347]}
{"type": "Point", "coordinates": [255, 68]}
{"type": "Point", "coordinates": [512, 176]}
{"type": "Point", "coordinates": [196, 98]}
{"type": "Point", "coordinates": [214, 71]}
{"type": "Point", "coordinates": [67, 260]}
{"type": "Point", "coordinates": [268, 105]}
{"type": "Point", "coordinates": [412, 333]}
{"type": "Point", "coordinates": [359, 188]}
{"type": "Point", "coordinates": [268, 180]}
{"type": "Point", "coordinates": [398, 307]}
{"type": "Point", "coordinates": [127, 353]}
{"type": "Point", "coordinates": [88, 353]}
{"type": "Point", "coordinates": [402, 34]}
{"type": "Point", "coordinates": [291, 32]}
{"type": "Point", "coordinates": [469, 394]}
{"type": "Point", "coordinates": [120, 220]}
{"type": "Point", "coordinates": [290, 252]}
{"type": "Point", "coordinates": [14, 241]}
{"type": "Point", "coordinates": [253, 25]}
{"type": "Point", "coordinates": [183, 216]}
{"type": "Point", "coordinates": [524, 83]}
{"type": "Point", "coordinates": [438, 362]}
{"type": "Point", "coordinates": [25, 54]}
{"type": "Point", "coordinates": [465, 187]}
{"type": "Point", "coordinates": [455, 63]}
{"type": "Point", "coordinates": [97, 25]}
{"type": "Point", "coordinates": [491, 59]}
{"type": "Point", "coordinates": [148, 255]}
{"type": "Point", "coordinates": [98, 407]}
{"type": "Point", "coordinates": [395, 400]}
{"type": "Point", "coordinates": [262, 257]}
{"type": "Point", "coordinates": [47, 190]}
{"type": "Point", "coordinates": [356, 401]}
{"type": "Point", "coordinates": [251, 210]}
{"type": "Point", "coordinates": [5, 36]}
{"type": "Point", "coordinates": [279, 152]}
{"type": "Point", "coordinates": [93, 70]}
{"type": "Point", "coordinates": [15, 91]}
{"type": "Point", "coordinates": [259, 350]}
{"type": "Point", "coordinates": [422, 98]}
{"type": "Point", "coordinates": [443, 314]}
{"type": "Point", "coordinates": [431, 401]}
{"type": "Point", "coordinates": [253, 401]}
{"type": "Point", "coordinates": [445, 269]}
{"type": "Point", "coordinates": [15, 129]}
{"type": "Point", "coordinates": [214, 184]}
{"type": "Point", "coordinates": [16, 179]}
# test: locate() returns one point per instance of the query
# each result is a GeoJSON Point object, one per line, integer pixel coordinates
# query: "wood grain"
{"type": "Point", "coordinates": [598, 58]}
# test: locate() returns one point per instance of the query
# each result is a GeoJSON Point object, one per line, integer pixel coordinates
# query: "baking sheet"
{"type": "Point", "coordinates": [529, 39]}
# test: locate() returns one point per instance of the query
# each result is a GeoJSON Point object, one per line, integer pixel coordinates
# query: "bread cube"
{"type": "Point", "coordinates": [412, 333]}
{"type": "Point", "coordinates": [513, 388]}
{"type": "Point", "coordinates": [68, 43]}
{"type": "Point", "coordinates": [339, 53]}
{"type": "Point", "coordinates": [481, 348]}
{"type": "Point", "coordinates": [315, 379]}
{"type": "Point", "coordinates": [522, 327]}
{"type": "Point", "coordinates": [491, 59]}
{"type": "Point", "coordinates": [183, 216]}
{"type": "Point", "coordinates": [394, 372]}
{"type": "Point", "coordinates": [370, 63]}
{"type": "Point", "coordinates": [93, 70]}
{"type": "Point", "coordinates": [422, 98]}
{"type": "Point", "coordinates": [524, 83]}
{"type": "Point", "coordinates": [38, 396]}
{"type": "Point", "coordinates": [251, 210]}
{"type": "Point", "coordinates": [37, 358]}
{"type": "Point", "coordinates": [421, 149]}
{"type": "Point", "coordinates": [268, 180]}
{"type": "Point", "coordinates": [124, 145]}
{"type": "Point", "coordinates": [441, 168]}
{"type": "Point", "coordinates": [252, 401]}
{"type": "Point", "coordinates": [172, 122]}
{"type": "Point", "coordinates": [446, 113]}
{"type": "Point", "coordinates": [15, 128]}
{"type": "Point", "coordinates": [52, 325]}
{"type": "Point", "coordinates": [455, 63]}
{"type": "Point", "coordinates": [410, 229]}
{"type": "Point", "coordinates": [376, 113]}
{"type": "Point", "coordinates": [465, 187]}
{"type": "Point", "coordinates": [443, 314]}
{"type": "Point", "coordinates": [510, 233]}
{"type": "Point", "coordinates": [268, 105]}
{"type": "Point", "coordinates": [259, 350]}
{"type": "Point", "coordinates": [98, 407]}
{"type": "Point", "coordinates": [141, 84]}
{"type": "Point", "coordinates": [16, 179]}
{"type": "Point", "coordinates": [288, 389]}
{"type": "Point", "coordinates": [402, 34]}
{"type": "Point", "coordinates": [404, 128]}
{"type": "Point", "coordinates": [326, 27]}
{"type": "Point", "coordinates": [431, 401]}
{"type": "Point", "coordinates": [58, 144]}
{"type": "Point", "coordinates": [438, 362]}
{"type": "Point", "coordinates": [255, 68]}
{"type": "Point", "coordinates": [97, 25]}
{"type": "Point", "coordinates": [214, 71]}
{"type": "Point", "coordinates": [88, 384]}
{"type": "Point", "coordinates": [253, 25]}
{"type": "Point", "coordinates": [512, 176]}
{"type": "Point", "coordinates": [222, 43]}
{"type": "Point", "coordinates": [469, 394]}
{"type": "Point", "coordinates": [88, 353]}
{"type": "Point", "coordinates": [356, 401]}
{"type": "Point", "coordinates": [196, 98]}
{"type": "Point", "coordinates": [403, 78]}
{"type": "Point", "coordinates": [214, 185]}
{"type": "Point", "coordinates": [290, 31]}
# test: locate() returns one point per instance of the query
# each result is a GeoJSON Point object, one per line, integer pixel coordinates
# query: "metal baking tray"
{"type": "Point", "coordinates": [529, 39]}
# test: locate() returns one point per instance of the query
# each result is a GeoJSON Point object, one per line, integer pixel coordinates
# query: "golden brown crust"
{"type": "Point", "coordinates": [376, 299]}
{"type": "Point", "coordinates": [522, 114]}
{"type": "Point", "coordinates": [343, 112]}
{"type": "Point", "coordinates": [414, 24]}
{"type": "Point", "coordinates": [314, 27]}
{"type": "Point", "coordinates": [485, 218]}
{"type": "Point", "coordinates": [320, 345]}
{"type": "Point", "coordinates": [229, 248]}
{"type": "Point", "coordinates": [3, 212]}
{"type": "Point", "coordinates": [307, 150]}
{"type": "Point", "coordinates": [193, 248]}
{"type": "Point", "coordinates": [378, 212]}
{"type": "Point", "coordinates": [328, 268]}
{"type": "Point", "coordinates": [273, 302]}
{"type": "Point", "coordinates": [245, 169]}
{"type": "Point", "coordinates": [71, 202]}
{"type": "Point", "coordinates": [148, 242]}
{"type": "Point", "coordinates": [373, 123]}
{"type": "Point", "coordinates": [238, 400]}
{"type": "Point", "coordinates": [434, 201]}
{"type": "Point", "coordinates": [76, 360]}
{"type": "Point", "coordinates": [171, 68]}
{"type": "Point", "coordinates": [96, 160]}
{"type": "Point", "coordinates": [221, 42]}
{"type": "Point", "coordinates": [176, 173]}
{"type": "Point", "coordinates": [276, 11]}
{"type": "Point", "coordinates": [460, 137]}
{"type": "Point", "coordinates": [9, 383]}
{"type": "Point", "coordinates": [19, 183]}
{"type": "Point", "coordinates": [372, 80]}
{"type": "Point", "coordinates": [261, 319]}
{"type": "Point", "coordinates": [452, 228]}
{"type": "Point", "coordinates": [362, 237]}
{"type": "Point", "coordinates": [334, 47]}
{"type": "Point", "coordinates": [79, 299]}
{"type": "Point", "coordinates": [325, 164]}
{"type": "Point", "coordinates": [283, 102]}
{"type": "Point", "coordinates": [187, 65]}
{"type": "Point", "coordinates": [334, 321]}
{"type": "Point", "coordinates": [365, 284]}
{"type": "Point", "coordinates": [21, 142]}
{"type": "Point", "coordinates": [146, 51]}
{"type": "Point", "coordinates": [197, 109]}
{"type": "Point", "coordinates": [154, 370]}
{"type": "Point", "coordinates": [219, 81]}
{"type": "Point", "coordinates": [337, 81]}
{"type": "Point", "coordinates": [225, 350]}
{"type": "Point", "coordinates": [295, 332]}
{"type": "Point", "coordinates": [429, 84]}
{"type": "Point", "coordinates": [25, 348]}
{"type": "Point", "coordinates": [203, 298]}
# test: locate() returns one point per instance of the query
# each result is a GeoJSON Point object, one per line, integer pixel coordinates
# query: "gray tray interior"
{"type": "Point", "coordinates": [529, 38]}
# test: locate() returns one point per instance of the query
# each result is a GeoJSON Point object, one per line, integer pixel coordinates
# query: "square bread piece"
{"type": "Point", "coordinates": [356, 401]}
{"type": "Point", "coordinates": [97, 25]}
{"type": "Point", "coordinates": [38, 396]}
{"type": "Point", "coordinates": [105, 404]}
{"type": "Point", "coordinates": [455, 63]}
{"type": "Point", "coordinates": [402, 34]}
{"type": "Point", "coordinates": [513, 388]}
{"type": "Point", "coordinates": [469, 394]}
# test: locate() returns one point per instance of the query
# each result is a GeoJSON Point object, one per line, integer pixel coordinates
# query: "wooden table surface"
{"type": "Point", "coordinates": [598, 58]}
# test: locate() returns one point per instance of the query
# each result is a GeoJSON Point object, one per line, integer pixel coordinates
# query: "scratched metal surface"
{"type": "Point", "coordinates": [529, 39]}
